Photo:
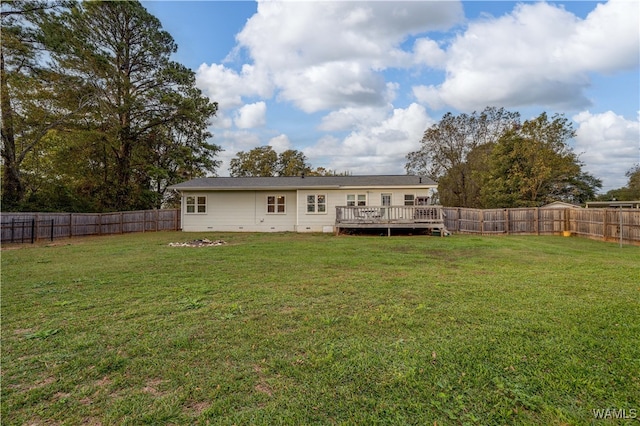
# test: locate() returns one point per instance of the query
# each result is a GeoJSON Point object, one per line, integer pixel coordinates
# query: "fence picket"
{"type": "Point", "coordinates": [603, 224]}
{"type": "Point", "coordinates": [61, 225]}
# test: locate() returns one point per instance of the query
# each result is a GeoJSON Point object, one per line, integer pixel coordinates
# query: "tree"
{"type": "Point", "coordinates": [446, 145]}
{"type": "Point", "coordinates": [260, 161]}
{"type": "Point", "coordinates": [264, 161]}
{"type": "Point", "coordinates": [533, 165]}
{"type": "Point", "coordinates": [462, 183]}
{"type": "Point", "coordinates": [633, 184]}
{"type": "Point", "coordinates": [29, 95]}
{"type": "Point", "coordinates": [292, 163]}
{"type": "Point", "coordinates": [321, 171]}
{"type": "Point", "coordinates": [630, 192]}
{"type": "Point", "coordinates": [147, 118]}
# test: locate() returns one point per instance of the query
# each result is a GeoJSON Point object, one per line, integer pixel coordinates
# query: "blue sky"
{"type": "Point", "coordinates": [354, 84]}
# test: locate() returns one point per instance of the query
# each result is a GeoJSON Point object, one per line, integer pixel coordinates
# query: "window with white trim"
{"type": "Point", "coordinates": [196, 204]}
{"type": "Point", "coordinates": [317, 203]}
{"type": "Point", "coordinates": [276, 204]}
{"type": "Point", "coordinates": [356, 200]}
{"type": "Point", "coordinates": [409, 199]}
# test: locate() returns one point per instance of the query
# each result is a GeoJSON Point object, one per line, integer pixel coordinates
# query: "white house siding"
{"type": "Point", "coordinates": [246, 211]}
{"type": "Point", "coordinates": [240, 211]}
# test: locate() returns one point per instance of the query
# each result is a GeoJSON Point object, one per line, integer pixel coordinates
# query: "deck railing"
{"type": "Point", "coordinates": [389, 215]}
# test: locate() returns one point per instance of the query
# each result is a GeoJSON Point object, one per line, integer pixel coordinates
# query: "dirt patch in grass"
{"type": "Point", "coordinates": [262, 386]}
{"type": "Point", "coordinates": [152, 387]}
{"type": "Point", "coordinates": [47, 381]}
{"type": "Point", "coordinates": [196, 408]}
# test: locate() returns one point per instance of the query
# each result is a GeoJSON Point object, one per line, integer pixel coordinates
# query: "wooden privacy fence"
{"type": "Point", "coordinates": [30, 227]}
{"type": "Point", "coordinates": [605, 224]}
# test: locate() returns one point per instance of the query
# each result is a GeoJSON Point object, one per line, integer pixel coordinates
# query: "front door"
{"type": "Point", "coordinates": [386, 202]}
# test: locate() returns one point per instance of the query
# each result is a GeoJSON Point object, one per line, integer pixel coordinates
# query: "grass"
{"type": "Point", "coordinates": [317, 329]}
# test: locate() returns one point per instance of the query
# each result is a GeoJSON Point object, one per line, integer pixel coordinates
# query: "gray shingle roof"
{"type": "Point", "coordinates": [298, 182]}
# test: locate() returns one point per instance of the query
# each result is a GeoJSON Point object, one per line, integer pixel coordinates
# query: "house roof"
{"type": "Point", "coordinates": [299, 182]}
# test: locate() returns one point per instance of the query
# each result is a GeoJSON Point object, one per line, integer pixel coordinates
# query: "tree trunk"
{"type": "Point", "coordinates": [12, 186]}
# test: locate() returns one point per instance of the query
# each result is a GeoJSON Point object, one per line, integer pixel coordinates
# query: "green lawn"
{"type": "Point", "coordinates": [318, 329]}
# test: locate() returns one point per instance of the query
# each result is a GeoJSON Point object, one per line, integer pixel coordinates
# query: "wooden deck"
{"type": "Point", "coordinates": [413, 217]}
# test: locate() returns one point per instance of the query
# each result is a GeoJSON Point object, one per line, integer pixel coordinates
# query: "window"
{"type": "Point", "coordinates": [317, 203]}
{"type": "Point", "coordinates": [275, 204]}
{"type": "Point", "coordinates": [356, 200]}
{"type": "Point", "coordinates": [408, 199]}
{"type": "Point", "coordinates": [196, 204]}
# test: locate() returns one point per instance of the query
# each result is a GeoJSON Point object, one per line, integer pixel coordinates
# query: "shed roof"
{"type": "Point", "coordinates": [299, 182]}
{"type": "Point", "coordinates": [560, 205]}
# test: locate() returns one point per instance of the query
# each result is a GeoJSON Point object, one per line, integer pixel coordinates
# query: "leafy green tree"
{"type": "Point", "coordinates": [634, 182]}
{"type": "Point", "coordinates": [321, 171]}
{"type": "Point", "coordinates": [462, 183]}
{"type": "Point", "coordinates": [292, 163]}
{"type": "Point", "coordinates": [30, 99]}
{"type": "Point", "coordinates": [533, 165]}
{"type": "Point", "coordinates": [260, 161]}
{"type": "Point", "coordinates": [148, 119]}
{"type": "Point", "coordinates": [630, 192]}
{"type": "Point", "coordinates": [264, 161]}
{"type": "Point", "coordinates": [445, 148]}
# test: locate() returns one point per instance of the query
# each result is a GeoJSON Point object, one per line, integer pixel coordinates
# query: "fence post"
{"type": "Point", "coordinates": [604, 224]}
{"type": "Point", "coordinates": [33, 230]}
{"type": "Point", "coordinates": [506, 222]}
{"type": "Point", "coordinates": [121, 223]}
{"type": "Point", "coordinates": [620, 213]}
{"type": "Point", "coordinates": [51, 229]}
{"type": "Point", "coordinates": [13, 224]}
{"type": "Point", "coordinates": [537, 220]}
{"type": "Point", "coordinates": [37, 227]}
{"type": "Point", "coordinates": [70, 225]}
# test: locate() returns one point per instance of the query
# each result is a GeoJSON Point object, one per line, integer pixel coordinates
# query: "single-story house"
{"type": "Point", "coordinates": [308, 203]}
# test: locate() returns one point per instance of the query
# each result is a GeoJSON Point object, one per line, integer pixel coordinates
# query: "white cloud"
{"type": "Point", "coordinates": [280, 143]}
{"type": "Point", "coordinates": [352, 117]}
{"type": "Point", "coordinates": [428, 52]}
{"type": "Point", "coordinates": [609, 145]}
{"type": "Point", "coordinates": [251, 115]}
{"type": "Point", "coordinates": [324, 55]}
{"type": "Point", "coordinates": [378, 149]}
{"type": "Point", "coordinates": [232, 142]}
{"type": "Point", "coordinates": [228, 87]}
{"type": "Point", "coordinates": [539, 54]}
{"type": "Point", "coordinates": [607, 40]}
